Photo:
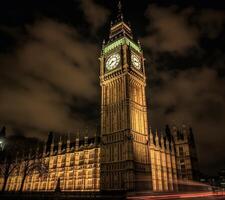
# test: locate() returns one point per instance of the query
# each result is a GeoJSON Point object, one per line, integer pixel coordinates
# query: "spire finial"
{"type": "Point", "coordinates": [120, 13]}
{"type": "Point", "coordinates": [119, 5]}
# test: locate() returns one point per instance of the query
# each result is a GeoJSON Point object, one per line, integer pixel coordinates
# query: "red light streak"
{"type": "Point", "coordinates": [179, 196]}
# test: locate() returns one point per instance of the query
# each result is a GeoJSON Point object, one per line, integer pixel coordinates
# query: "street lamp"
{"type": "Point", "coordinates": [1, 144]}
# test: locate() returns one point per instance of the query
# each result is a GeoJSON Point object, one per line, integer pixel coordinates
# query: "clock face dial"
{"type": "Point", "coordinates": [113, 61]}
{"type": "Point", "coordinates": [136, 61]}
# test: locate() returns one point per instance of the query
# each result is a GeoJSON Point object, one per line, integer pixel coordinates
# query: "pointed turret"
{"type": "Point", "coordinates": [151, 136]}
{"type": "Point", "coordinates": [86, 141]}
{"type": "Point", "coordinates": [167, 145]}
{"type": "Point", "coordinates": [184, 131]}
{"type": "Point", "coordinates": [44, 150]}
{"type": "Point", "coordinates": [37, 151]}
{"type": "Point", "coordinates": [156, 138]}
{"type": "Point", "coordinates": [52, 147]}
{"type": "Point", "coordinates": [119, 28]}
{"type": "Point", "coordinates": [172, 147]}
{"type": "Point", "coordinates": [120, 12]}
{"type": "Point", "coordinates": [60, 145]}
{"type": "Point", "coordinates": [174, 129]}
{"type": "Point", "coordinates": [77, 141]}
{"type": "Point", "coordinates": [162, 141]}
{"type": "Point", "coordinates": [68, 143]}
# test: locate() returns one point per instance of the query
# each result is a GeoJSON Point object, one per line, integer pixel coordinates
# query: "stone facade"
{"type": "Point", "coordinates": [163, 163]}
{"type": "Point", "coordinates": [76, 165]}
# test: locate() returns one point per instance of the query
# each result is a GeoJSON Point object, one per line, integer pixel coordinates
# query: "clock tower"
{"type": "Point", "coordinates": [125, 161]}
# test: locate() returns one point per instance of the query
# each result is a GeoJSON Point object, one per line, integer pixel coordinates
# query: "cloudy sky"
{"type": "Point", "coordinates": [49, 66]}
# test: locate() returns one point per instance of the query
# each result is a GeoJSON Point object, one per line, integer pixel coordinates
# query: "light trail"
{"type": "Point", "coordinates": [180, 196]}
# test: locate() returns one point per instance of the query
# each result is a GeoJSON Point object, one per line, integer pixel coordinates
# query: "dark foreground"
{"type": "Point", "coordinates": [117, 195]}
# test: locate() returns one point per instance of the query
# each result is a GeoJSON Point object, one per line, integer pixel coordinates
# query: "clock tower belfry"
{"type": "Point", "coordinates": [125, 161]}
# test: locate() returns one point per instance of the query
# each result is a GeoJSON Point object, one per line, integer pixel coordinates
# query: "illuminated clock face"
{"type": "Point", "coordinates": [113, 61]}
{"type": "Point", "coordinates": [136, 61]}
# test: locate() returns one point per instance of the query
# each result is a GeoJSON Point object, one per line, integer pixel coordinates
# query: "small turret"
{"type": "Point", "coordinates": [172, 147]}
{"type": "Point", "coordinates": [167, 145]}
{"type": "Point", "coordinates": [86, 141]}
{"type": "Point", "coordinates": [184, 131]}
{"type": "Point", "coordinates": [68, 143]}
{"type": "Point", "coordinates": [77, 144]}
{"type": "Point", "coordinates": [151, 136]}
{"type": "Point", "coordinates": [156, 138]}
{"type": "Point", "coordinates": [60, 145]}
{"type": "Point", "coordinates": [103, 45]}
{"type": "Point", "coordinates": [52, 147]}
{"type": "Point", "coordinates": [139, 44]}
{"type": "Point", "coordinates": [174, 129]}
{"type": "Point", "coordinates": [44, 150]}
{"type": "Point", "coordinates": [37, 151]}
{"type": "Point", "coordinates": [162, 142]}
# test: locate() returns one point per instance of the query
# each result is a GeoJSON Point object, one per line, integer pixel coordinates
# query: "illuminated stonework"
{"type": "Point", "coordinates": [76, 165]}
{"type": "Point", "coordinates": [163, 164]}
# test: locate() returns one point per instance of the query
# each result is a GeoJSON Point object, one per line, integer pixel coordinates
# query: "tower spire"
{"type": "Point", "coordinates": [120, 12]}
{"type": "Point", "coordinates": [119, 28]}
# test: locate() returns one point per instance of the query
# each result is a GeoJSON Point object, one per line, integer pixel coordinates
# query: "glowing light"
{"type": "Point", "coordinates": [121, 42]}
{"type": "Point", "coordinates": [179, 195]}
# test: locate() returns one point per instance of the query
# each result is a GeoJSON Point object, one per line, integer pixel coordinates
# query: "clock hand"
{"type": "Point", "coordinates": [111, 62]}
{"type": "Point", "coordinates": [114, 62]}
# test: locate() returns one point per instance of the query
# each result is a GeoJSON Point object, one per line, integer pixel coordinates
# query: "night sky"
{"type": "Point", "coordinates": [49, 66]}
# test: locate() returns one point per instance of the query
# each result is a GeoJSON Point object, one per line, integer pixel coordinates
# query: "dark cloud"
{"type": "Point", "coordinates": [196, 98]}
{"type": "Point", "coordinates": [169, 30]}
{"type": "Point", "coordinates": [95, 14]}
{"type": "Point", "coordinates": [192, 94]}
{"type": "Point", "coordinates": [176, 30]}
{"type": "Point", "coordinates": [50, 80]}
{"type": "Point", "coordinates": [211, 22]}
{"type": "Point", "coordinates": [45, 75]}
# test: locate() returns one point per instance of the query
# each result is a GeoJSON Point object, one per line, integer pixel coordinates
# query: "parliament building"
{"type": "Point", "coordinates": [126, 154]}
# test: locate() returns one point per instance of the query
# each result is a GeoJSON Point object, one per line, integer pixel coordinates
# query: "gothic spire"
{"type": "Point", "coordinates": [120, 12]}
{"type": "Point", "coordinates": [119, 28]}
{"type": "Point", "coordinates": [156, 138]}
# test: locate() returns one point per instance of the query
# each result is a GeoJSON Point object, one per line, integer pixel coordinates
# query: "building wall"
{"type": "Point", "coordinates": [187, 163]}
{"type": "Point", "coordinates": [163, 165]}
{"type": "Point", "coordinates": [78, 170]}
{"type": "Point", "coordinates": [124, 128]}
{"type": "Point", "coordinates": [79, 167]}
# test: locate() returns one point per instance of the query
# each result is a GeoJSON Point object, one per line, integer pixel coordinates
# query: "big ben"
{"type": "Point", "coordinates": [124, 126]}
